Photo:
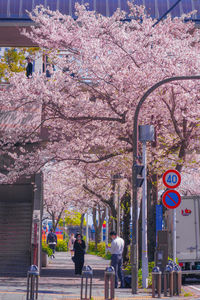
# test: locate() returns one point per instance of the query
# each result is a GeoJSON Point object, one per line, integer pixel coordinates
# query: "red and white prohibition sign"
{"type": "Point", "coordinates": [171, 199]}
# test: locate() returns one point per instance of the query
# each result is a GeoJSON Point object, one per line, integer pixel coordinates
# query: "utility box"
{"type": "Point", "coordinates": [161, 254]}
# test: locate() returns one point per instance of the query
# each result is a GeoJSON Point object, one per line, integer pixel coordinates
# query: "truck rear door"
{"type": "Point", "coordinates": [187, 218]}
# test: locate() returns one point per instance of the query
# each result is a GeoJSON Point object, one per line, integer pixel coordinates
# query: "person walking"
{"type": "Point", "coordinates": [29, 67]}
{"type": "Point", "coordinates": [79, 252]}
{"type": "Point", "coordinates": [116, 250]}
{"type": "Point", "coordinates": [52, 241]}
{"type": "Point", "coordinates": [71, 244]}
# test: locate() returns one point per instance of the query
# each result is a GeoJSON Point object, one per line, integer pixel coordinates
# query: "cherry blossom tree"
{"type": "Point", "coordinates": [112, 63]}
{"type": "Point", "coordinates": [104, 66]}
{"type": "Point", "coordinates": [63, 191]}
{"type": "Point", "coordinates": [190, 184]}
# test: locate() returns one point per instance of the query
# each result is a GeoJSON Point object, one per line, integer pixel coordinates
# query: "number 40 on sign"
{"type": "Point", "coordinates": [172, 179]}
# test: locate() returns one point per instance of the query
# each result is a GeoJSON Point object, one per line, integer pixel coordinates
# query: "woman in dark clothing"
{"type": "Point", "coordinates": [79, 252]}
{"type": "Point", "coordinates": [29, 67]}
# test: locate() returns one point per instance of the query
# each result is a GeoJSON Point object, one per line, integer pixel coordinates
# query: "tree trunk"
{"type": "Point", "coordinates": [81, 224]}
{"type": "Point", "coordinates": [98, 226]}
{"type": "Point", "coordinates": [126, 207]}
{"type": "Point", "coordinates": [110, 202]}
{"type": "Point", "coordinates": [55, 220]}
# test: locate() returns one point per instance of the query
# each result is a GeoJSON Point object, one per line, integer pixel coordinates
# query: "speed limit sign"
{"type": "Point", "coordinates": [171, 179]}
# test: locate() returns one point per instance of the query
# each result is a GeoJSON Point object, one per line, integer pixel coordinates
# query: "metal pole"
{"type": "Point", "coordinates": [134, 245]}
{"type": "Point", "coordinates": [115, 200]}
{"type": "Point", "coordinates": [107, 228]}
{"type": "Point", "coordinates": [167, 12]}
{"type": "Point", "coordinates": [87, 231]}
{"type": "Point", "coordinates": [118, 208]}
{"type": "Point", "coordinates": [174, 235]}
{"type": "Point", "coordinates": [134, 248]}
{"type": "Point", "coordinates": [145, 271]}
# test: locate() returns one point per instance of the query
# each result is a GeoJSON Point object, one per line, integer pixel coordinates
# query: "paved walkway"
{"type": "Point", "coordinates": [57, 281]}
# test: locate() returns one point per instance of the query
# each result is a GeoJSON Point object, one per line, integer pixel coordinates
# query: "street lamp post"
{"type": "Point", "coordinates": [146, 134]}
{"type": "Point", "coordinates": [134, 248]}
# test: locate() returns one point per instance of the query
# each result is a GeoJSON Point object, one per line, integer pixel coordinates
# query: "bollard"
{"type": "Point", "coordinates": [156, 282]}
{"type": "Point", "coordinates": [177, 280]}
{"type": "Point", "coordinates": [109, 283]}
{"type": "Point", "coordinates": [168, 281]}
{"type": "Point", "coordinates": [32, 281]}
{"type": "Point", "coordinates": [87, 273]}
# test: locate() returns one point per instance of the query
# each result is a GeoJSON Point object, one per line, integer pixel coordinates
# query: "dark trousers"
{"type": "Point", "coordinates": [116, 262]}
{"type": "Point", "coordinates": [79, 262]}
{"type": "Point", "coordinates": [53, 247]}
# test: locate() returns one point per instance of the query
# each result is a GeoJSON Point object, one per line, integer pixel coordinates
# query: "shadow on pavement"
{"type": "Point", "coordinates": [67, 273]}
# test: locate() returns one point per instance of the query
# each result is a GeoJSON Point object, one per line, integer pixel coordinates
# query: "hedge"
{"type": "Point", "coordinates": [101, 250]}
{"type": "Point", "coordinates": [61, 246]}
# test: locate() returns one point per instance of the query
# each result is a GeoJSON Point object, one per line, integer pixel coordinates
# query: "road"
{"type": "Point", "coordinates": [193, 284]}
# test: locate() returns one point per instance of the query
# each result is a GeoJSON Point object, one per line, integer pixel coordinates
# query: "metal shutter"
{"type": "Point", "coordinates": [15, 230]}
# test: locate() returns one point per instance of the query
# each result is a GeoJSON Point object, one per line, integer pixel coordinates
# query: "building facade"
{"type": "Point", "coordinates": [16, 9]}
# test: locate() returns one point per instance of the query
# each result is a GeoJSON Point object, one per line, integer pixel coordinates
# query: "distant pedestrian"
{"type": "Point", "coordinates": [49, 70]}
{"type": "Point", "coordinates": [71, 244]}
{"type": "Point", "coordinates": [79, 252]}
{"type": "Point", "coordinates": [116, 250]}
{"type": "Point", "coordinates": [29, 67]}
{"type": "Point", "coordinates": [52, 241]}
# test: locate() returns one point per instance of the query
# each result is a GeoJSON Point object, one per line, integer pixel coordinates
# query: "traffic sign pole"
{"type": "Point", "coordinates": [172, 199]}
{"type": "Point", "coordinates": [174, 235]}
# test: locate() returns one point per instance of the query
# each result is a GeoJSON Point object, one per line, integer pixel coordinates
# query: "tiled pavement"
{"type": "Point", "coordinates": [57, 282]}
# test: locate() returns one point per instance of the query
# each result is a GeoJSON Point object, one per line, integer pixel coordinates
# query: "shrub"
{"type": "Point", "coordinates": [140, 278]}
{"type": "Point", "coordinates": [107, 255]}
{"type": "Point", "coordinates": [101, 250]}
{"type": "Point", "coordinates": [46, 249]}
{"type": "Point", "coordinates": [65, 237]}
{"type": "Point", "coordinates": [91, 247]}
{"type": "Point", "coordinates": [151, 265]}
{"type": "Point", "coordinates": [61, 246]}
{"type": "Point", "coordinates": [128, 269]}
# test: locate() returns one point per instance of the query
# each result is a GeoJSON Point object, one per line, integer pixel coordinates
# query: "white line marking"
{"type": "Point", "coordinates": [194, 287]}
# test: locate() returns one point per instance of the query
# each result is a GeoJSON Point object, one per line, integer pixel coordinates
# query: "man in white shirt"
{"type": "Point", "coordinates": [116, 250]}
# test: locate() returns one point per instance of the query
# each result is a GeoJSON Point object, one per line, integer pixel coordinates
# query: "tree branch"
{"type": "Point", "coordinates": [95, 194]}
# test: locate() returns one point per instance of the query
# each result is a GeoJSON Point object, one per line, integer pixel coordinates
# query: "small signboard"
{"type": "Point", "coordinates": [172, 179]}
{"type": "Point", "coordinates": [171, 199]}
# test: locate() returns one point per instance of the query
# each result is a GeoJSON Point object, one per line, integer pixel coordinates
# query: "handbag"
{"type": "Point", "coordinates": [73, 259]}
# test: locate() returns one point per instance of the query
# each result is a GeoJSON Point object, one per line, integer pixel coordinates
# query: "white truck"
{"type": "Point", "coordinates": [187, 235]}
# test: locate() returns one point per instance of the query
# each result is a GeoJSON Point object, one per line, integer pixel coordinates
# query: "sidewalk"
{"type": "Point", "coordinates": [57, 282]}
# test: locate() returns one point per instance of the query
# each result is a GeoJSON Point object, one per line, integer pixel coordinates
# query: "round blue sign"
{"type": "Point", "coordinates": [171, 199]}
